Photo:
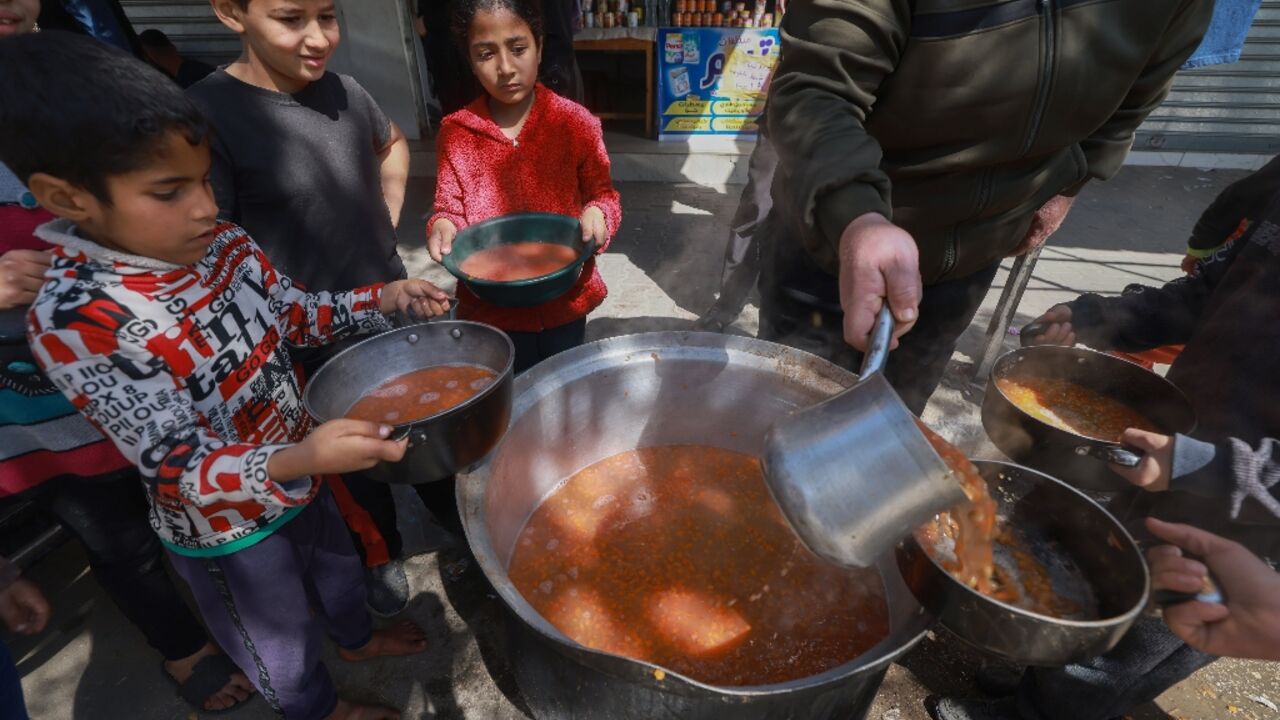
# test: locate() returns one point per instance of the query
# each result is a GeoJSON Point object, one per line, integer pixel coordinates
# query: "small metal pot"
{"type": "Point", "coordinates": [440, 445]}
{"type": "Point", "coordinates": [1106, 573]}
{"type": "Point", "coordinates": [1077, 459]}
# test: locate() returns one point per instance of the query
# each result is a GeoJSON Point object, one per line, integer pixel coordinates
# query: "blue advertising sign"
{"type": "Point", "coordinates": [713, 81]}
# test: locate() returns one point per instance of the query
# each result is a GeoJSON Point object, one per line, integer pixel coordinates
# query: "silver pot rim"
{"type": "Point", "coordinates": [434, 326]}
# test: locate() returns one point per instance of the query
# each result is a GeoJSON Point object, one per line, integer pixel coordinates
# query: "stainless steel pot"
{"type": "Point", "coordinates": [445, 443]}
{"type": "Point", "coordinates": [1090, 558]}
{"type": "Point", "coordinates": [1077, 459]}
{"type": "Point", "coordinates": [654, 389]}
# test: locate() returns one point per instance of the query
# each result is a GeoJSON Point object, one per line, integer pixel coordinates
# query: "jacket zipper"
{"type": "Point", "coordinates": [949, 256]}
{"type": "Point", "coordinates": [1045, 8]}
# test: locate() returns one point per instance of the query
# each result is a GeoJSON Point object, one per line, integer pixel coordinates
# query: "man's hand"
{"type": "Point", "coordinates": [21, 275]}
{"type": "Point", "coordinates": [416, 298]}
{"type": "Point", "coordinates": [594, 228]}
{"type": "Point", "coordinates": [440, 241]}
{"type": "Point", "coordinates": [1152, 474]}
{"type": "Point", "coordinates": [1055, 328]}
{"type": "Point", "coordinates": [1044, 223]}
{"type": "Point", "coordinates": [878, 260]}
{"type": "Point", "coordinates": [23, 607]}
{"type": "Point", "coordinates": [336, 447]}
{"type": "Point", "coordinates": [1248, 625]}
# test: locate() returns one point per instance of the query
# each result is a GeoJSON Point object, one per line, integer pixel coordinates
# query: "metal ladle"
{"type": "Point", "coordinates": [853, 474]}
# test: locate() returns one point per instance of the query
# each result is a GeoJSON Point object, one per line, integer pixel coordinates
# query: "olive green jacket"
{"type": "Point", "coordinates": [959, 118]}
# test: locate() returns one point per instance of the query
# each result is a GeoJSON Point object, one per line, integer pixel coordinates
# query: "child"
{"type": "Point", "coordinates": [168, 330]}
{"type": "Point", "coordinates": [1224, 478]}
{"type": "Point", "coordinates": [307, 163]}
{"type": "Point", "coordinates": [521, 148]}
{"type": "Point", "coordinates": [54, 459]}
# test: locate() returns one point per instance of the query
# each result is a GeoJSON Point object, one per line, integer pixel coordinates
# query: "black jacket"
{"type": "Point", "coordinates": [1227, 476]}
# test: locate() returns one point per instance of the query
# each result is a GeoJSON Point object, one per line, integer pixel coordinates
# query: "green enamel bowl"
{"type": "Point", "coordinates": [518, 228]}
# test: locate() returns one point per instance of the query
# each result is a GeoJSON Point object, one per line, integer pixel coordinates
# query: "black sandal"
{"type": "Point", "coordinates": [209, 676]}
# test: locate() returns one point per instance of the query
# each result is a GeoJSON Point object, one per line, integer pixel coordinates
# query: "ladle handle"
{"type": "Point", "coordinates": [877, 353]}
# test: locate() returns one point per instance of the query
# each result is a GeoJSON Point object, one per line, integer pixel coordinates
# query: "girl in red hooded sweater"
{"type": "Point", "coordinates": [521, 148]}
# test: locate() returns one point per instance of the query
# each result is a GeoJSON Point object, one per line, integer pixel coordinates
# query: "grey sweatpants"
{"type": "Point", "coordinates": [270, 605]}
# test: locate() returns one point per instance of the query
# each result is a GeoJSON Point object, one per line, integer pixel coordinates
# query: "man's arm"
{"type": "Point", "coordinates": [1106, 149]}
{"type": "Point", "coordinates": [836, 53]}
{"type": "Point", "coordinates": [394, 171]}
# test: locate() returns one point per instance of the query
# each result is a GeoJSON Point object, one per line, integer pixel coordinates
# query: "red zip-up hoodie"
{"type": "Point", "coordinates": [557, 164]}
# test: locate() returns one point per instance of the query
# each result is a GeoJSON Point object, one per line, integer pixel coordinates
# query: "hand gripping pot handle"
{"type": "Point", "coordinates": [1121, 455]}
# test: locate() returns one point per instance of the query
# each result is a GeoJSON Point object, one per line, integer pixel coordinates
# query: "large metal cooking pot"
{"type": "Point", "coordinates": [654, 389]}
{"type": "Point", "coordinates": [445, 443]}
{"type": "Point", "coordinates": [1077, 459]}
{"type": "Point", "coordinates": [1090, 558]}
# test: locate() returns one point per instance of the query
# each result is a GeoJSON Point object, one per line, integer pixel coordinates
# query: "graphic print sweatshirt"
{"type": "Point", "coordinates": [187, 370]}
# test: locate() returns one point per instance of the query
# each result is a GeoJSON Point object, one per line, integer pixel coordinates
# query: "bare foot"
{"type": "Point", "coordinates": [403, 638]}
{"type": "Point", "coordinates": [237, 690]}
{"type": "Point", "coordinates": [351, 711]}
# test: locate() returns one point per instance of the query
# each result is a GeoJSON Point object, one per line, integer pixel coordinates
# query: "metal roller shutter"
{"type": "Point", "coordinates": [190, 24]}
{"type": "Point", "coordinates": [1225, 108]}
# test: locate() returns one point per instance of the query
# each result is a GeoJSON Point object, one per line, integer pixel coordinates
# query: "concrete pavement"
{"type": "Point", "coordinates": [662, 272]}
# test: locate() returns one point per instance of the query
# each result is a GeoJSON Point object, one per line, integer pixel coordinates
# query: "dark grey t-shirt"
{"type": "Point", "coordinates": [301, 174]}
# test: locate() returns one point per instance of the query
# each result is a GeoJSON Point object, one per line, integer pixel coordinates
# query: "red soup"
{"type": "Point", "coordinates": [518, 261]}
{"type": "Point", "coordinates": [421, 393]}
{"type": "Point", "coordinates": [680, 557]}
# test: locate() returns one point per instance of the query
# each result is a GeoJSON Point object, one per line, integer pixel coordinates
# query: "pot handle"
{"type": "Point", "coordinates": [1124, 456]}
{"type": "Point", "coordinates": [405, 319]}
{"type": "Point", "coordinates": [1031, 330]}
{"type": "Point", "coordinates": [416, 435]}
{"type": "Point", "coordinates": [1211, 593]}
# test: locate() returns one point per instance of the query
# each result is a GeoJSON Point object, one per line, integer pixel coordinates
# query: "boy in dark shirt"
{"type": "Point", "coordinates": [306, 162]}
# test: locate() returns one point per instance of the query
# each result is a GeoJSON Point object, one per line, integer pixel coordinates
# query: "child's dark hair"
{"type": "Point", "coordinates": [83, 111]}
{"type": "Point", "coordinates": [464, 11]}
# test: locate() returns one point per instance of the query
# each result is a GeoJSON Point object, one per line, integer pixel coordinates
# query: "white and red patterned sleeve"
{"type": "Point", "coordinates": [150, 417]}
{"type": "Point", "coordinates": [319, 318]}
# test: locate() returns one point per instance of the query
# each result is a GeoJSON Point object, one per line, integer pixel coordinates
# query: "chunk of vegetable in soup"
{"type": "Point", "coordinates": [679, 556]}
{"type": "Point", "coordinates": [421, 393]}
{"type": "Point", "coordinates": [518, 261]}
{"type": "Point", "coordinates": [1072, 407]}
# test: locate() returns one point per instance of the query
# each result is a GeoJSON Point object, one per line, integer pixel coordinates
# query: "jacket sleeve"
{"type": "Point", "coordinates": [1226, 216]}
{"type": "Point", "coordinates": [319, 318]}
{"type": "Point", "coordinates": [596, 183]}
{"type": "Point", "coordinates": [1144, 317]}
{"type": "Point", "coordinates": [1246, 478]}
{"type": "Point", "coordinates": [448, 203]}
{"type": "Point", "coordinates": [835, 55]}
{"type": "Point", "coordinates": [149, 414]}
{"type": "Point", "coordinates": [1106, 148]}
